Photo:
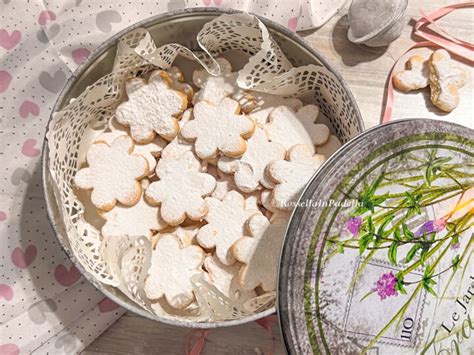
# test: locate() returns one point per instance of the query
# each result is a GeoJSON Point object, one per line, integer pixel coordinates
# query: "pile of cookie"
{"type": "Point", "coordinates": [209, 173]}
{"type": "Point", "coordinates": [439, 72]}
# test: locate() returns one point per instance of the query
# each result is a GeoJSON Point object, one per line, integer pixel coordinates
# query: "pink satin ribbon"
{"type": "Point", "coordinates": [198, 336]}
{"type": "Point", "coordinates": [196, 339]}
{"type": "Point", "coordinates": [455, 45]}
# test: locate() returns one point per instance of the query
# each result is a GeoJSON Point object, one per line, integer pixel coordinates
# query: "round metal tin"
{"type": "Point", "coordinates": [378, 254]}
{"type": "Point", "coordinates": [181, 27]}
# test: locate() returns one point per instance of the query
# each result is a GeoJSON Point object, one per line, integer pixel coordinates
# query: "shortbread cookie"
{"type": "Point", "coordinates": [249, 169]}
{"type": "Point", "coordinates": [181, 189]}
{"type": "Point", "coordinates": [225, 279]}
{"type": "Point", "coordinates": [226, 221]}
{"type": "Point", "coordinates": [137, 220]}
{"type": "Point", "coordinates": [171, 270]}
{"type": "Point", "coordinates": [113, 174]}
{"type": "Point", "coordinates": [218, 128]}
{"type": "Point", "coordinates": [149, 151]}
{"type": "Point", "coordinates": [266, 103]}
{"type": "Point", "coordinates": [318, 132]}
{"type": "Point", "coordinates": [178, 83]}
{"type": "Point", "coordinates": [260, 253]}
{"type": "Point", "coordinates": [273, 213]}
{"type": "Point", "coordinates": [292, 175]}
{"type": "Point", "coordinates": [201, 75]}
{"type": "Point", "coordinates": [152, 108]}
{"type": "Point", "coordinates": [252, 200]}
{"type": "Point", "coordinates": [224, 184]}
{"type": "Point", "coordinates": [445, 80]}
{"type": "Point", "coordinates": [284, 127]}
{"type": "Point", "coordinates": [415, 75]}
{"type": "Point", "coordinates": [216, 88]}
{"type": "Point", "coordinates": [187, 234]}
{"type": "Point", "coordinates": [330, 147]}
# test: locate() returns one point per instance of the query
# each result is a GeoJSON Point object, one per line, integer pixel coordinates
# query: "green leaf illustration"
{"type": "Point", "coordinates": [392, 253]}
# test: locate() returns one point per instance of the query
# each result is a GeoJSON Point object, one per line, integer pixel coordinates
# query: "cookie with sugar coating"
{"type": "Point", "coordinates": [415, 76]}
{"type": "Point", "coordinates": [445, 80]}
{"type": "Point", "coordinates": [226, 279]}
{"type": "Point", "coordinates": [180, 189]}
{"type": "Point", "coordinates": [140, 219]}
{"type": "Point", "coordinates": [265, 103]}
{"type": "Point", "coordinates": [291, 175]}
{"type": "Point", "coordinates": [150, 151]}
{"type": "Point", "coordinates": [218, 129]}
{"type": "Point", "coordinates": [113, 174]}
{"type": "Point", "coordinates": [260, 252]}
{"type": "Point", "coordinates": [152, 108]}
{"type": "Point", "coordinates": [286, 128]}
{"type": "Point", "coordinates": [226, 222]}
{"type": "Point", "coordinates": [171, 270]}
{"type": "Point", "coordinates": [249, 169]}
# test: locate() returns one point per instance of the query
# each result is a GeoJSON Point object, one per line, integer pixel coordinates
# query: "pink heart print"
{"type": "Point", "coordinates": [106, 305]}
{"type": "Point", "coordinates": [6, 292]}
{"type": "Point", "coordinates": [9, 349]}
{"type": "Point", "coordinates": [208, 2]}
{"type": "Point", "coordinates": [3, 216]}
{"type": "Point", "coordinates": [5, 80]}
{"type": "Point", "coordinates": [293, 23]}
{"type": "Point", "coordinates": [23, 259]}
{"type": "Point", "coordinates": [29, 107]}
{"type": "Point", "coordinates": [66, 277]}
{"type": "Point", "coordinates": [9, 41]}
{"type": "Point", "coordinates": [45, 17]}
{"type": "Point", "coordinates": [79, 54]}
{"type": "Point", "coordinates": [29, 149]}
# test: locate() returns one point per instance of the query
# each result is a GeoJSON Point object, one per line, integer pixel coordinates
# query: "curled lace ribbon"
{"type": "Point", "coordinates": [455, 45]}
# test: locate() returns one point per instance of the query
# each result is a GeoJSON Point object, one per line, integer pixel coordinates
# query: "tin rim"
{"type": "Point", "coordinates": [81, 70]}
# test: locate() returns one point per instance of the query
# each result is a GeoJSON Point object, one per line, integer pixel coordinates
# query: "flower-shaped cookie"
{"type": "Point", "coordinates": [181, 189]}
{"type": "Point", "coordinates": [265, 103]}
{"type": "Point", "coordinates": [179, 84]}
{"type": "Point", "coordinates": [285, 127]}
{"type": "Point", "coordinates": [137, 220]}
{"type": "Point", "coordinates": [318, 132]}
{"type": "Point", "coordinates": [150, 151]}
{"type": "Point", "coordinates": [249, 169]}
{"type": "Point", "coordinates": [152, 108]}
{"type": "Point", "coordinates": [292, 175]}
{"type": "Point", "coordinates": [260, 253]}
{"type": "Point", "coordinates": [171, 270]}
{"type": "Point", "coordinates": [113, 174]}
{"type": "Point", "coordinates": [225, 279]}
{"type": "Point", "coordinates": [218, 128]}
{"type": "Point", "coordinates": [226, 223]}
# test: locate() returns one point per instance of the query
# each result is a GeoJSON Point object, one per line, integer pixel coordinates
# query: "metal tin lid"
{"type": "Point", "coordinates": [378, 257]}
{"type": "Point", "coordinates": [368, 18]}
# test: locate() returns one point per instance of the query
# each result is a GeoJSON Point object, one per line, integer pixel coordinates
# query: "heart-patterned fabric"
{"type": "Point", "coordinates": [46, 306]}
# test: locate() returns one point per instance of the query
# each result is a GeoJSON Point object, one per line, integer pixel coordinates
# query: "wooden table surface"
{"type": "Point", "coordinates": [366, 71]}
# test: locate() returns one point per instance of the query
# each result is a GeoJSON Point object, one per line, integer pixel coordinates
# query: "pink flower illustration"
{"type": "Point", "coordinates": [353, 225]}
{"type": "Point", "coordinates": [385, 286]}
{"type": "Point", "coordinates": [431, 227]}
